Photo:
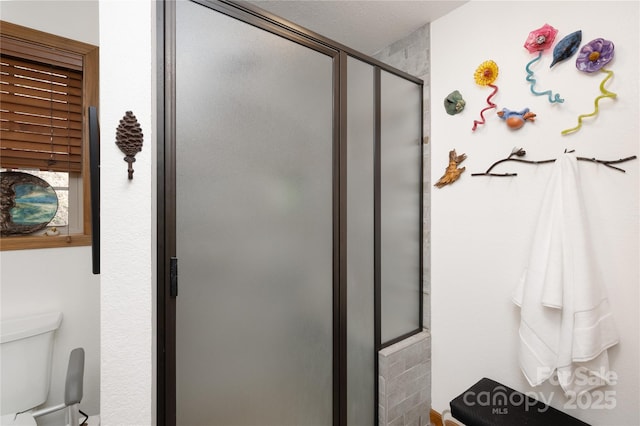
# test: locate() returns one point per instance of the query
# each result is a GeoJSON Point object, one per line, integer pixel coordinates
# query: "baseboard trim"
{"type": "Point", "coordinates": [436, 419]}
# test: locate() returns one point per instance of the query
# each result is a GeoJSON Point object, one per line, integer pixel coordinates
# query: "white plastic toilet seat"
{"type": "Point", "coordinates": [22, 419]}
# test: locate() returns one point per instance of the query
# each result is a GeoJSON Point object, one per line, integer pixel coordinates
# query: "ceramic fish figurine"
{"type": "Point", "coordinates": [454, 103]}
{"type": "Point", "coordinates": [566, 47]}
{"type": "Point", "coordinates": [516, 119]}
{"type": "Point", "coordinates": [452, 173]}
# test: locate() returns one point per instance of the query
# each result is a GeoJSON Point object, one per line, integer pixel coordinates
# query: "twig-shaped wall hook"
{"type": "Point", "coordinates": [609, 163]}
{"type": "Point", "coordinates": [519, 152]}
{"type": "Point", "coordinates": [129, 139]}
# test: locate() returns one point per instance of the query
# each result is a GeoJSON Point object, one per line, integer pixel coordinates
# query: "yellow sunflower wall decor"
{"type": "Point", "coordinates": [485, 75]}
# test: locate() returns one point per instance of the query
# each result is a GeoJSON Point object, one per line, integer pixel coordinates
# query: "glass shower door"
{"type": "Point", "coordinates": [400, 206]}
{"type": "Point", "coordinates": [254, 225]}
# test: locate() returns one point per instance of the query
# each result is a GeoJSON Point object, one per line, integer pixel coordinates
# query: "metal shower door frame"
{"type": "Point", "coordinates": [166, 195]}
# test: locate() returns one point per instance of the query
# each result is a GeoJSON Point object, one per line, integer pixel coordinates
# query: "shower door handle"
{"type": "Point", "coordinates": [173, 277]}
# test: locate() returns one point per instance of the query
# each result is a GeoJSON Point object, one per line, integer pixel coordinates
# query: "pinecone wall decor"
{"type": "Point", "coordinates": [129, 139]}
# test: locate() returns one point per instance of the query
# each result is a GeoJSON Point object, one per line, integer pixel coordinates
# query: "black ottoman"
{"type": "Point", "coordinates": [489, 403]}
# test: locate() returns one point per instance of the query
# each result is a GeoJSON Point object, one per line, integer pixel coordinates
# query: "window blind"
{"type": "Point", "coordinates": [40, 108]}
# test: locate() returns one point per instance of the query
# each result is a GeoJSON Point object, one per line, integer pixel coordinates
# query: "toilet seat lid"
{"type": "Point", "coordinates": [22, 419]}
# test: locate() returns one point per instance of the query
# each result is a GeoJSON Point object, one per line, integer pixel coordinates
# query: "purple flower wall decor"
{"type": "Point", "coordinates": [538, 41]}
{"type": "Point", "coordinates": [595, 55]}
{"type": "Point", "coordinates": [591, 58]}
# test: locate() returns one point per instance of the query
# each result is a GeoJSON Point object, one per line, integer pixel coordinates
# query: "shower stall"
{"type": "Point", "coordinates": [289, 220]}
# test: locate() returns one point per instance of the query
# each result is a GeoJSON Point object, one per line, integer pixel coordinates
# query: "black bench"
{"type": "Point", "coordinates": [489, 403]}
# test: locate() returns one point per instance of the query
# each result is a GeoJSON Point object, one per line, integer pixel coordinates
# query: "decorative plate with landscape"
{"type": "Point", "coordinates": [27, 203]}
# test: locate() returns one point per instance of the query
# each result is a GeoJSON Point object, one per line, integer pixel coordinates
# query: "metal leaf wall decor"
{"type": "Point", "coordinates": [129, 139]}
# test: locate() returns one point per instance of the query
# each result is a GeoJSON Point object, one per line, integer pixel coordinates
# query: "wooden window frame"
{"type": "Point", "coordinates": [90, 85]}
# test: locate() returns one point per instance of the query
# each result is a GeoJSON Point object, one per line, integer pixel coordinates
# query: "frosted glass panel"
{"type": "Point", "coordinates": [400, 206]}
{"type": "Point", "coordinates": [360, 281]}
{"type": "Point", "coordinates": [254, 225]}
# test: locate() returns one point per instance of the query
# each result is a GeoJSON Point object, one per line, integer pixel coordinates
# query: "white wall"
{"type": "Point", "coordinates": [125, 330]}
{"type": "Point", "coordinates": [481, 227]}
{"type": "Point", "coordinates": [74, 19]}
{"type": "Point", "coordinates": [35, 281]}
{"type": "Point", "coordinates": [127, 83]}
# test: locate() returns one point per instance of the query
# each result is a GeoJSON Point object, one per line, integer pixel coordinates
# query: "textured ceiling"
{"type": "Point", "coordinates": [367, 26]}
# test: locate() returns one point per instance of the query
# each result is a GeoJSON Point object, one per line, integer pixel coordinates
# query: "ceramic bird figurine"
{"type": "Point", "coordinates": [452, 173]}
{"type": "Point", "coordinates": [516, 119]}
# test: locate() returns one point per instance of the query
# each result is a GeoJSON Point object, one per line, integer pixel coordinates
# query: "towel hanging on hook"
{"type": "Point", "coordinates": [520, 152]}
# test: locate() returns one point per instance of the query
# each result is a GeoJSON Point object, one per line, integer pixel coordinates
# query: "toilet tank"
{"type": "Point", "coordinates": [26, 348]}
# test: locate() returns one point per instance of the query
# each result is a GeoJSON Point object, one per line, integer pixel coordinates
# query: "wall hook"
{"type": "Point", "coordinates": [519, 152]}
{"type": "Point", "coordinates": [129, 139]}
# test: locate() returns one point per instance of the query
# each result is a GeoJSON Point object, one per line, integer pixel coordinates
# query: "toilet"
{"type": "Point", "coordinates": [26, 348]}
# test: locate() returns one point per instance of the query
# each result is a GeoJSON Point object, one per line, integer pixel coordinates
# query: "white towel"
{"type": "Point", "coordinates": [566, 324]}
